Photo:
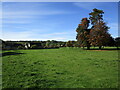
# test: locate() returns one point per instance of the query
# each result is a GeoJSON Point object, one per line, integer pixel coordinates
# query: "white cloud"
{"type": "Point", "coordinates": [15, 21]}
{"type": "Point", "coordinates": [27, 16]}
{"type": "Point", "coordinates": [16, 35]}
{"type": "Point", "coordinates": [91, 5]}
{"type": "Point", "coordinates": [62, 33]}
{"type": "Point", "coordinates": [113, 29]}
{"type": "Point", "coordinates": [44, 39]}
{"type": "Point", "coordinates": [85, 5]}
{"type": "Point", "coordinates": [113, 26]}
{"type": "Point", "coordinates": [35, 35]}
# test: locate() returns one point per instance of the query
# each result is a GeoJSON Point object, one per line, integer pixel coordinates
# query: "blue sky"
{"type": "Point", "coordinates": [52, 20]}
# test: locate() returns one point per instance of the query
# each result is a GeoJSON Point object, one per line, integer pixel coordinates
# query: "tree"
{"type": "Point", "coordinates": [47, 44]}
{"type": "Point", "coordinates": [98, 35]}
{"type": "Point", "coordinates": [70, 43]}
{"type": "Point", "coordinates": [111, 42]}
{"type": "Point", "coordinates": [117, 42]}
{"type": "Point", "coordinates": [2, 44]}
{"type": "Point", "coordinates": [96, 16]}
{"type": "Point", "coordinates": [83, 33]}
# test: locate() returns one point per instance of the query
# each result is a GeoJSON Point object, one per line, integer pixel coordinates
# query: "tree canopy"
{"type": "Point", "coordinates": [97, 35]}
{"type": "Point", "coordinates": [83, 32]}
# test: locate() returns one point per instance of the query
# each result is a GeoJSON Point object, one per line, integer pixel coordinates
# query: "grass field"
{"type": "Point", "coordinates": [60, 68]}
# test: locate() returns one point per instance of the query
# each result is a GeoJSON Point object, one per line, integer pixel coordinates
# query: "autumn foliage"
{"type": "Point", "coordinates": [83, 33]}
{"type": "Point", "coordinates": [97, 35]}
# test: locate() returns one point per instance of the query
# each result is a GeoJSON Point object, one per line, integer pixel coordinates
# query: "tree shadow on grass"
{"type": "Point", "coordinates": [104, 49]}
{"type": "Point", "coordinates": [9, 53]}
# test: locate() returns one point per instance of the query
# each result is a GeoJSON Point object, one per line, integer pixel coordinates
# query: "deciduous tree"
{"type": "Point", "coordinates": [117, 42]}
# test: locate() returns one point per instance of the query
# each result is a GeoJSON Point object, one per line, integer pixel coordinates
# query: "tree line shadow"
{"type": "Point", "coordinates": [17, 53]}
{"type": "Point", "coordinates": [109, 49]}
{"type": "Point", "coordinates": [9, 53]}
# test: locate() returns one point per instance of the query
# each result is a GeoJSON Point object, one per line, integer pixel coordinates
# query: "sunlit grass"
{"type": "Point", "coordinates": [60, 68]}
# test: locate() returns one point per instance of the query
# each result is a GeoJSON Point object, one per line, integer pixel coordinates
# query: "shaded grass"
{"type": "Point", "coordinates": [10, 53]}
{"type": "Point", "coordinates": [60, 68]}
{"type": "Point", "coordinates": [103, 48]}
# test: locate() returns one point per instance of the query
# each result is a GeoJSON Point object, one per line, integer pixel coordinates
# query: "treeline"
{"type": "Point", "coordinates": [97, 34]}
{"type": "Point", "coordinates": [13, 45]}
{"type": "Point", "coordinates": [7, 45]}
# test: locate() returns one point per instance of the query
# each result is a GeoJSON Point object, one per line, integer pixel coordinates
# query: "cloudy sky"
{"type": "Point", "coordinates": [51, 20]}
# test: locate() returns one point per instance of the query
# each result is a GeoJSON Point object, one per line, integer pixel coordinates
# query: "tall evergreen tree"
{"type": "Point", "coordinates": [98, 35]}
{"type": "Point", "coordinates": [83, 33]}
{"type": "Point", "coordinates": [96, 16]}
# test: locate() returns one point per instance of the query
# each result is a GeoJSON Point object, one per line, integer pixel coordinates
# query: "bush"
{"type": "Point", "coordinates": [34, 46]}
{"type": "Point", "coordinates": [20, 47]}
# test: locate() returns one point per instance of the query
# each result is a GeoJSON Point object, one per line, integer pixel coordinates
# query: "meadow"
{"type": "Point", "coordinates": [60, 68]}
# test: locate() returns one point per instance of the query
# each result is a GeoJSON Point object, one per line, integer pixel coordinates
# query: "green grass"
{"type": "Point", "coordinates": [60, 68]}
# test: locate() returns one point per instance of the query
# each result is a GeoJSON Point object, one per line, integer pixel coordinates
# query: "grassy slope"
{"type": "Point", "coordinates": [60, 68]}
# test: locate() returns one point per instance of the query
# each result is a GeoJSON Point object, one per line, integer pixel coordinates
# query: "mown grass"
{"type": "Point", "coordinates": [60, 68]}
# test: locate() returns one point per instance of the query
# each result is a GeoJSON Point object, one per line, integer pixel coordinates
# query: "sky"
{"type": "Point", "coordinates": [51, 20]}
{"type": "Point", "coordinates": [60, 0]}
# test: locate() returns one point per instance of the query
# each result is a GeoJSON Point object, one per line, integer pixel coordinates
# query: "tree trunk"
{"type": "Point", "coordinates": [100, 47]}
{"type": "Point", "coordinates": [88, 47]}
{"type": "Point", "coordinates": [117, 47]}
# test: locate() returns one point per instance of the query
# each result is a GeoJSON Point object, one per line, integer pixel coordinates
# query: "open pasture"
{"type": "Point", "coordinates": [60, 68]}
